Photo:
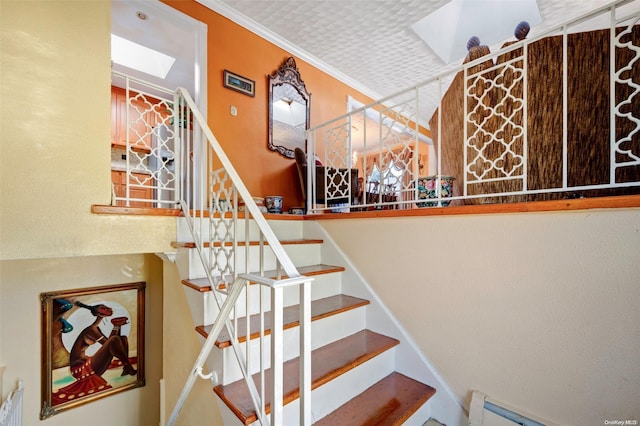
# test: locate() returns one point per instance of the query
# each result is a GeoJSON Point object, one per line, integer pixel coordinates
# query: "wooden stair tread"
{"type": "Point", "coordinates": [190, 244]}
{"type": "Point", "coordinates": [320, 308]}
{"type": "Point", "coordinates": [391, 401]}
{"type": "Point", "coordinates": [327, 363]}
{"type": "Point", "coordinates": [202, 284]}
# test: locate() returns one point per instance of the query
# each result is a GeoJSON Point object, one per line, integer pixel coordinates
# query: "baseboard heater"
{"type": "Point", "coordinates": [483, 411]}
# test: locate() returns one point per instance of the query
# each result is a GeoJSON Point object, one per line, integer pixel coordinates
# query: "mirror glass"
{"type": "Point", "coordinates": [288, 110]}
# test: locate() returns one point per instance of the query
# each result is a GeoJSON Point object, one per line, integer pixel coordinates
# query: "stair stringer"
{"type": "Point", "coordinates": [410, 360]}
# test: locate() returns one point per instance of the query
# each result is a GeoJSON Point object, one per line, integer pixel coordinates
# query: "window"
{"type": "Point", "coordinates": [390, 179]}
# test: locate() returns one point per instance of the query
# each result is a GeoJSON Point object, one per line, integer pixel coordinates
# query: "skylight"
{"type": "Point", "coordinates": [448, 29]}
{"type": "Point", "coordinates": [140, 58]}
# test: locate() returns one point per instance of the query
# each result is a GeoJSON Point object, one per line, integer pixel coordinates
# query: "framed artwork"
{"type": "Point", "coordinates": [238, 83]}
{"type": "Point", "coordinates": [92, 344]}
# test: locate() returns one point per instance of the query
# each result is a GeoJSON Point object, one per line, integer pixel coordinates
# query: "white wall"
{"type": "Point", "coordinates": [538, 310]}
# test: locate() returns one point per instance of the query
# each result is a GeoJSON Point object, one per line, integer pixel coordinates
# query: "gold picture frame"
{"type": "Point", "coordinates": [92, 344]}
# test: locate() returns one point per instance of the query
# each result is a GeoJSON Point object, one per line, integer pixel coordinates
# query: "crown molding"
{"type": "Point", "coordinates": [228, 12]}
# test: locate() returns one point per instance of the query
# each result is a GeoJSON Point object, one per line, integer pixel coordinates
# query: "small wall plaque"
{"type": "Point", "coordinates": [239, 84]}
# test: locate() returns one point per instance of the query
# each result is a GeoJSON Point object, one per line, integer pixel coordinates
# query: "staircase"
{"type": "Point", "coordinates": [292, 334]}
{"type": "Point", "coordinates": [364, 370]}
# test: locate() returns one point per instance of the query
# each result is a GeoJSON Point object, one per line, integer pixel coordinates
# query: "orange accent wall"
{"type": "Point", "coordinates": [244, 137]}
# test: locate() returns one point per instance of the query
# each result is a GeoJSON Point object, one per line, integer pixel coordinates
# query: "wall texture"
{"type": "Point", "coordinates": [538, 310]}
{"type": "Point", "coordinates": [22, 283]}
{"type": "Point", "coordinates": [181, 348]}
{"type": "Point", "coordinates": [55, 151]}
{"type": "Point", "coordinates": [54, 164]}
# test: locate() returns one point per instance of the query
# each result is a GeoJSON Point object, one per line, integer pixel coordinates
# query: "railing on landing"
{"type": "Point", "coordinates": [171, 158]}
{"type": "Point", "coordinates": [553, 116]}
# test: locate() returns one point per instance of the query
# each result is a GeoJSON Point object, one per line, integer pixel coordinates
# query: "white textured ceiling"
{"type": "Point", "coordinates": [367, 44]}
{"type": "Point", "coordinates": [369, 41]}
{"type": "Point", "coordinates": [171, 33]}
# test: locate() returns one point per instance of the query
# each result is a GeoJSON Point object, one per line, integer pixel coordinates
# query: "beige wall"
{"type": "Point", "coordinates": [538, 310]}
{"type": "Point", "coordinates": [20, 316]}
{"type": "Point", "coordinates": [55, 124]}
{"type": "Point", "coordinates": [54, 164]}
{"type": "Point", "coordinates": [181, 348]}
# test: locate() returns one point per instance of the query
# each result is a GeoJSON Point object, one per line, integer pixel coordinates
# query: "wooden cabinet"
{"type": "Point", "coordinates": [141, 187]}
{"type": "Point", "coordinates": [141, 116]}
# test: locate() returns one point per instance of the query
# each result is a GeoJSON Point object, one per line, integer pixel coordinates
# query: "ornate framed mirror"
{"type": "Point", "coordinates": [289, 106]}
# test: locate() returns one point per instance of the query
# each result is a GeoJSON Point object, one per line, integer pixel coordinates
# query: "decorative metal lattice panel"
{"type": "Point", "coordinates": [150, 122]}
{"type": "Point", "coordinates": [337, 180]}
{"type": "Point", "coordinates": [222, 229]}
{"type": "Point", "coordinates": [626, 148]}
{"type": "Point", "coordinates": [494, 120]}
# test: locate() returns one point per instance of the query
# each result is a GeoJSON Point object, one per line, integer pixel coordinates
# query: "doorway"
{"type": "Point", "coordinates": [143, 161]}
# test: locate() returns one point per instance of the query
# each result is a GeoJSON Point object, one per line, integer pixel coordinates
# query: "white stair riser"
{"type": "Point", "coordinates": [182, 260]}
{"type": "Point", "coordinates": [202, 306]}
{"type": "Point", "coordinates": [228, 416]}
{"type": "Point", "coordinates": [205, 310]}
{"type": "Point", "coordinates": [424, 412]}
{"type": "Point", "coordinates": [322, 286]}
{"type": "Point", "coordinates": [323, 332]}
{"type": "Point", "coordinates": [284, 229]}
{"type": "Point", "coordinates": [439, 407]}
{"type": "Point", "coordinates": [335, 393]}
{"type": "Point", "coordinates": [300, 254]}
{"type": "Point", "coordinates": [342, 389]}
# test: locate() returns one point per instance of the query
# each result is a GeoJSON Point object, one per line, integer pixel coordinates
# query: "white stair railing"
{"type": "Point", "coordinates": [166, 146]}
{"type": "Point", "coordinates": [471, 123]}
{"type": "Point", "coordinates": [211, 193]}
